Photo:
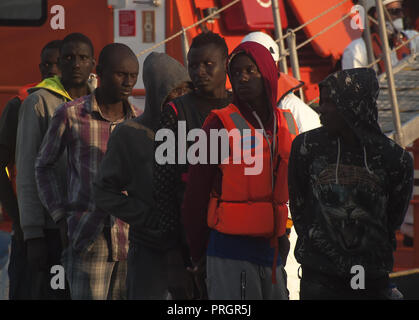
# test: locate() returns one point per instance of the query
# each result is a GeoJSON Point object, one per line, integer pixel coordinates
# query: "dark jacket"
{"type": "Point", "coordinates": [8, 130]}
{"type": "Point", "coordinates": [128, 162]}
{"type": "Point", "coordinates": [346, 202]}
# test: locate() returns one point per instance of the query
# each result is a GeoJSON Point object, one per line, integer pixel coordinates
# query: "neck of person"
{"type": "Point", "coordinates": [111, 109]}
{"type": "Point", "coordinates": [348, 137]}
{"type": "Point", "coordinates": [261, 107]}
{"type": "Point", "coordinates": [218, 93]}
{"type": "Point", "coordinates": [76, 91]}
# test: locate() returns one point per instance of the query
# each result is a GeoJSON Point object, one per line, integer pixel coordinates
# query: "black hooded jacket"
{"type": "Point", "coordinates": [128, 162]}
{"type": "Point", "coordinates": [346, 202]}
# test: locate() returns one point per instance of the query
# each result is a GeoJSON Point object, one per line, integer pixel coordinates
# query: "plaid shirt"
{"type": "Point", "coordinates": [79, 128]}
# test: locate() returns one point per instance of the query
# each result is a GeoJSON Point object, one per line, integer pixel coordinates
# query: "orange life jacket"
{"type": "Point", "coordinates": [287, 84]}
{"type": "Point", "coordinates": [254, 205]}
{"type": "Point", "coordinates": [23, 91]}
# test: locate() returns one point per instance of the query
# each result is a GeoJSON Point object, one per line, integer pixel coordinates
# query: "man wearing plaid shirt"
{"type": "Point", "coordinates": [95, 258]}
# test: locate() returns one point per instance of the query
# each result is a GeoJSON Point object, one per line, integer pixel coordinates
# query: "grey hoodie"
{"type": "Point", "coordinates": [34, 117]}
{"type": "Point", "coordinates": [128, 162]}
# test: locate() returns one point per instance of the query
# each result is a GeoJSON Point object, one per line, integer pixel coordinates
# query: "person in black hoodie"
{"type": "Point", "coordinates": [207, 68]}
{"type": "Point", "coordinates": [349, 188]}
{"type": "Point", "coordinates": [124, 181]}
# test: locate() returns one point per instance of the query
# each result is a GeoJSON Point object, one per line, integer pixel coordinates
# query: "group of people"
{"type": "Point", "coordinates": [355, 54]}
{"type": "Point", "coordinates": [92, 197]}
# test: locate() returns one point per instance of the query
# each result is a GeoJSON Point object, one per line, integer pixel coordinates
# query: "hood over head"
{"type": "Point", "coordinates": [355, 93]}
{"type": "Point", "coordinates": [161, 74]}
{"type": "Point", "coordinates": [266, 65]}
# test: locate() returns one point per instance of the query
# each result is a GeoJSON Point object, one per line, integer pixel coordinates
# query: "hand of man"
{"type": "Point", "coordinates": [198, 272]}
{"type": "Point", "coordinates": [37, 253]}
{"type": "Point", "coordinates": [18, 234]}
{"type": "Point", "coordinates": [62, 224]}
{"type": "Point", "coordinates": [284, 248]}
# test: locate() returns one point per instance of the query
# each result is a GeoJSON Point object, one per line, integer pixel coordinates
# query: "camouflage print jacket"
{"type": "Point", "coordinates": [346, 202]}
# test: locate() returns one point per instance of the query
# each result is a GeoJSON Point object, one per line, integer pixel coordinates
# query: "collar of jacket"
{"type": "Point", "coordinates": [54, 84]}
{"type": "Point", "coordinates": [92, 106]}
{"type": "Point", "coordinates": [287, 84]}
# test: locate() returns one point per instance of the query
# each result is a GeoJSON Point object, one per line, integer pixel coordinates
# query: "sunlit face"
{"type": "Point", "coordinates": [395, 10]}
{"type": "Point", "coordinates": [246, 79]}
{"type": "Point", "coordinates": [49, 63]}
{"type": "Point", "coordinates": [119, 77]}
{"type": "Point", "coordinates": [207, 69]}
{"type": "Point", "coordinates": [76, 63]}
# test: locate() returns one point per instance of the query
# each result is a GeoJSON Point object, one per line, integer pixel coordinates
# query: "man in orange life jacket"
{"type": "Point", "coordinates": [306, 119]}
{"type": "Point", "coordinates": [8, 128]}
{"type": "Point", "coordinates": [238, 218]}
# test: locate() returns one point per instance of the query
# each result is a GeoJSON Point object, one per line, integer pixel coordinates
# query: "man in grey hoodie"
{"type": "Point", "coordinates": [41, 234]}
{"type": "Point", "coordinates": [124, 182]}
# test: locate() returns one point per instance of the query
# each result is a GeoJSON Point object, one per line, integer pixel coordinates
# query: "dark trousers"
{"type": "Point", "coordinates": [315, 285]}
{"type": "Point", "coordinates": [18, 271]}
{"type": "Point", "coordinates": [147, 277]}
{"type": "Point", "coordinates": [40, 280]}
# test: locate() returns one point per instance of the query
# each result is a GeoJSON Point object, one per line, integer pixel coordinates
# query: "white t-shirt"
{"type": "Point", "coordinates": [355, 54]}
{"type": "Point", "coordinates": [305, 117]}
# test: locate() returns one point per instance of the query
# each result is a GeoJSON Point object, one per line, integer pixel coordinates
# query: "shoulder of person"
{"type": "Point", "coordinates": [357, 44]}
{"type": "Point", "coordinates": [394, 155]}
{"type": "Point", "coordinates": [132, 130]}
{"type": "Point", "coordinates": [291, 100]}
{"type": "Point", "coordinates": [11, 108]}
{"type": "Point", "coordinates": [410, 33]}
{"type": "Point", "coordinates": [184, 98]}
{"type": "Point", "coordinates": [40, 98]}
{"type": "Point", "coordinates": [312, 139]}
{"type": "Point", "coordinates": [305, 116]}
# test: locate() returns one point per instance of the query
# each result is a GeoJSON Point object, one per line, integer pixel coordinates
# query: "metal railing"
{"type": "Point", "coordinates": [183, 31]}
{"type": "Point", "coordinates": [293, 47]}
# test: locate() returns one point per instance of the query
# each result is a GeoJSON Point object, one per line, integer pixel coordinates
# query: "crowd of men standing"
{"type": "Point", "coordinates": [91, 197]}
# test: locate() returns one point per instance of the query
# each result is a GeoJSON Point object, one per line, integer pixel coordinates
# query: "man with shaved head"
{"type": "Point", "coordinates": [95, 257]}
{"type": "Point", "coordinates": [19, 272]}
{"type": "Point", "coordinates": [42, 237]}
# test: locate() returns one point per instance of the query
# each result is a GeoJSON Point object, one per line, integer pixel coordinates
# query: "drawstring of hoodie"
{"type": "Point", "coordinates": [274, 239]}
{"type": "Point", "coordinates": [271, 147]}
{"type": "Point", "coordinates": [338, 160]}
{"type": "Point", "coordinates": [365, 161]}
